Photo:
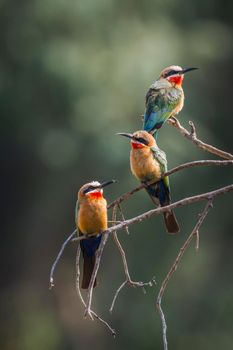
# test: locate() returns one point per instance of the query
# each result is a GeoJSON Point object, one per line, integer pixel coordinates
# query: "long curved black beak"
{"type": "Point", "coordinates": [104, 184]}
{"type": "Point", "coordinates": [125, 134]}
{"type": "Point", "coordinates": [185, 70]}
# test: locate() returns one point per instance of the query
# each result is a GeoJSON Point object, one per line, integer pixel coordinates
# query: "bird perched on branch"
{"type": "Point", "coordinates": [165, 98]}
{"type": "Point", "coordinates": [91, 219]}
{"type": "Point", "coordinates": [148, 163]}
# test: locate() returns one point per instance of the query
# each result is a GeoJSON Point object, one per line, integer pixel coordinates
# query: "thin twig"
{"type": "Point", "coordinates": [198, 163]}
{"type": "Point", "coordinates": [51, 279]}
{"type": "Point", "coordinates": [118, 225]}
{"type": "Point", "coordinates": [128, 279]}
{"type": "Point", "coordinates": [99, 252]}
{"type": "Point", "coordinates": [192, 136]}
{"type": "Point", "coordinates": [125, 196]}
{"type": "Point", "coordinates": [123, 218]}
{"type": "Point", "coordinates": [116, 295]}
{"type": "Point", "coordinates": [174, 268]}
{"type": "Point", "coordinates": [180, 203]}
{"type": "Point", "coordinates": [160, 210]}
{"type": "Point", "coordinates": [114, 222]}
{"type": "Point", "coordinates": [197, 240]}
{"type": "Point", "coordinates": [96, 268]}
{"type": "Point", "coordinates": [78, 278]}
{"type": "Point", "coordinates": [81, 298]}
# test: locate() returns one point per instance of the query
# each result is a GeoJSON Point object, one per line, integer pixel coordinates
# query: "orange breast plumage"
{"type": "Point", "coordinates": [92, 216]}
{"type": "Point", "coordinates": [143, 165]}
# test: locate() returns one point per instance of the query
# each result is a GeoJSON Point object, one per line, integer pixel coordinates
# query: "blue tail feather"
{"type": "Point", "coordinates": [90, 245]}
{"type": "Point", "coordinates": [159, 191]}
{"type": "Point", "coordinates": [150, 126]}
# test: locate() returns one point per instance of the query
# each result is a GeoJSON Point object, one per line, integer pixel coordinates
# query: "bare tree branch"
{"type": "Point", "coordinates": [124, 224]}
{"type": "Point", "coordinates": [197, 240]}
{"type": "Point", "coordinates": [192, 136]}
{"type": "Point", "coordinates": [99, 252]}
{"type": "Point", "coordinates": [116, 295]}
{"type": "Point", "coordinates": [128, 279]}
{"type": "Point", "coordinates": [180, 203]}
{"type": "Point", "coordinates": [125, 196]}
{"type": "Point", "coordinates": [160, 210]}
{"type": "Point", "coordinates": [128, 194]}
{"type": "Point", "coordinates": [198, 163]}
{"type": "Point", "coordinates": [123, 218]}
{"type": "Point", "coordinates": [77, 284]}
{"type": "Point", "coordinates": [96, 267]}
{"type": "Point", "coordinates": [92, 313]}
{"type": "Point", "coordinates": [174, 268]}
{"type": "Point", "coordinates": [51, 280]}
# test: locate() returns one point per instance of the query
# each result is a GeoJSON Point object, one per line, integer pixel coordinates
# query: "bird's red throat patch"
{"type": "Point", "coordinates": [136, 145]}
{"type": "Point", "coordinates": [95, 195]}
{"type": "Point", "coordinates": [177, 79]}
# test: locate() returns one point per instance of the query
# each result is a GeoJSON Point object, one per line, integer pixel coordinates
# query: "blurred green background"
{"type": "Point", "coordinates": [72, 74]}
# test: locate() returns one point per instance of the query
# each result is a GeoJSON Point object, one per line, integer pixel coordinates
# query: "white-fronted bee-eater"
{"type": "Point", "coordinates": [148, 163]}
{"type": "Point", "coordinates": [91, 219]}
{"type": "Point", "coordinates": [165, 98]}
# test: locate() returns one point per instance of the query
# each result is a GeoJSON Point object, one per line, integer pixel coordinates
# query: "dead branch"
{"type": "Point", "coordinates": [51, 280]}
{"type": "Point", "coordinates": [128, 279]}
{"type": "Point", "coordinates": [96, 268]}
{"type": "Point", "coordinates": [123, 218]}
{"type": "Point", "coordinates": [124, 224]}
{"type": "Point", "coordinates": [92, 313]}
{"type": "Point", "coordinates": [197, 241]}
{"type": "Point", "coordinates": [125, 196]}
{"type": "Point", "coordinates": [174, 268]}
{"type": "Point", "coordinates": [192, 136]}
{"type": "Point", "coordinates": [180, 203]}
{"type": "Point", "coordinates": [198, 163]}
{"type": "Point", "coordinates": [160, 210]}
{"type": "Point", "coordinates": [128, 194]}
{"type": "Point", "coordinates": [99, 253]}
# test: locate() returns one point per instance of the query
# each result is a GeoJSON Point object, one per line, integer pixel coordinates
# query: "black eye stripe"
{"type": "Point", "coordinates": [171, 72]}
{"type": "Point", "coordinates": [140, 139]}
{"type": "Point", "coordinates": [88, 189]}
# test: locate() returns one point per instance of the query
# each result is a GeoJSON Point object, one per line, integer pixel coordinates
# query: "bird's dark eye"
{"type": "Point", "coordinates": [171, 72]}
{"type": "Point", "coordinates": [88, 189]}
{"type": "Point", "coordinates": [141, 140]}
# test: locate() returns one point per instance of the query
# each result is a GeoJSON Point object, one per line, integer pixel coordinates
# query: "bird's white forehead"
{"type": "Point", "coordinates": [174, 68]}
{"type": "Point", "coordinates": [170, 68]}
{"type": "Point", "coordinates": [94, 183]}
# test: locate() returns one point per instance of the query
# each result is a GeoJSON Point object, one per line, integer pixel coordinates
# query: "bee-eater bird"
{"type": "Point", "coordinates": [164, 99]}
{"type": "Point", "coordinates": [148, 163]}
{"type": "Point", "coordinates": [91, 219]}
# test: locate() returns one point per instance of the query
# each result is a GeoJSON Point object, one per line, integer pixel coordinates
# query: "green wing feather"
{"type": "Point", "coordinates": [163, 193]}
{"type": "Point", "coordinates": [161, 100]}
{"type": "Point", "coordinates": [161, 158]}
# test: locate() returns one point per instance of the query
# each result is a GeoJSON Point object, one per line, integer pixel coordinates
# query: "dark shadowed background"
{"type": "Point", "coordinates": [72, 74]}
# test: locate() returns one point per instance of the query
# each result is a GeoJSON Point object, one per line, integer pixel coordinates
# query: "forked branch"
{"type": "Point", "coordinates": [180, 203]}
{"type": "Point", "coordinates": [196, 163]}
{"type": "Point", "coordinates": [124, 224]}
{"type": "Point", "coordinates": [96, 267]}
{"type": "Point", "coordinates": [51, 279]}
{"type": "Point", "coordinates": [192, 136]}
{"type": "Point", "coordinates": [174, 268]}
{"type": "Point", "coordinates": [92, 313]}
{"type": "Point", "coordinates": [128, 279]}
